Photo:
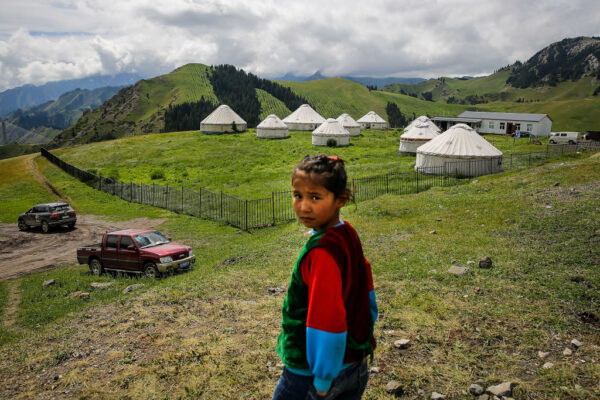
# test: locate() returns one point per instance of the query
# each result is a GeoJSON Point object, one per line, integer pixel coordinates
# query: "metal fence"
{"type": "Point", "coordinates": [246, 214]}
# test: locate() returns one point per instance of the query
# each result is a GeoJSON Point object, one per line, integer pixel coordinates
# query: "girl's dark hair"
{"type": "Point", "coordinates": [328, 171]}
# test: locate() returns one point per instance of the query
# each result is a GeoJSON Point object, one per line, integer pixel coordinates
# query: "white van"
{"type": "Point", "coordinates": [564, 137]}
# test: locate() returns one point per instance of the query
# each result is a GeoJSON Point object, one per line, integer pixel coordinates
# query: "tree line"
{"type": "Point", "coordinates": [237, 89]}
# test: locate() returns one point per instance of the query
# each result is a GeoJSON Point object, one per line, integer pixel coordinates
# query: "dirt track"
{"type": "Point", "coordinates": [30, 251]}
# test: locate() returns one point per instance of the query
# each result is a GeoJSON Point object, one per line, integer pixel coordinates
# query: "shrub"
{"type": "Point", "coordinates": [157, 174]}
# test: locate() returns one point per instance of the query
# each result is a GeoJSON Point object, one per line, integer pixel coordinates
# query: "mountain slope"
{"type": "Point", "coordinates": [29, 95]}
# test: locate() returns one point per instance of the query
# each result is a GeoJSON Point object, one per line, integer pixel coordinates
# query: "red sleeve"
{"type": "Point", "coordinates": [323, 277]}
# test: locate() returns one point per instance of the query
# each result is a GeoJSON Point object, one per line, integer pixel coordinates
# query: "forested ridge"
{"type": "Point", "coordinates": [233, 87]}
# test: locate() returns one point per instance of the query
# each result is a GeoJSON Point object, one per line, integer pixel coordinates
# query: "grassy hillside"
{"type": "Point", "coordinates": [212, 333]}
{"type": "Point", "coordinates": [271, 105]}
{"type": "Point", "coordinates": [214, 162]}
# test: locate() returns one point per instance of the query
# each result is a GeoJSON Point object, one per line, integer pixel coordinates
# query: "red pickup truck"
{"type": "Point", "coordinates": [137, 251]}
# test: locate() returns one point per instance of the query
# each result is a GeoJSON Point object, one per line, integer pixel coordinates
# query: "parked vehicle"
{"type": "Point", "coordinates": [48, 215]}
{"type": "Point", "coordinates": [564, 137]}
{"type": "Point", "coordinates": [141, 251]}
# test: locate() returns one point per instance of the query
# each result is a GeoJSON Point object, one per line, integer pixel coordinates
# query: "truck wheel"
{"type": "Point", "coordinates": [95, 267]}
{"type": "Point", "coordinates": [45, 227]}
{"type": "Point", "coordinates": [552, 141]}
{"type": "Point", "coordinates": [22, 225]}
{"type": "Point", "coordinates": [71, 225]}
{"type": "Point", "coordinates": [571, 142]}
{"type": "Point", "coordinates": [150, 270]}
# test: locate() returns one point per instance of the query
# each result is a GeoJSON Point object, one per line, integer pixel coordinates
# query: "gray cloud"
{"type": "Point", "coordinates": [63, 39]}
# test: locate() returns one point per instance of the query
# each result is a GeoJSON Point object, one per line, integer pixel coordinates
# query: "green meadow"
{"type": "Point", "coordinates": [211, 333]}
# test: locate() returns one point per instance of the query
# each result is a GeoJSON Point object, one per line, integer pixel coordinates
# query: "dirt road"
{"type": "Point", "coordinates": [25, 252]}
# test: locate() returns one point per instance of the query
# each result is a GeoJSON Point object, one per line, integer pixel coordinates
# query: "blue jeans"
{"type": "Point", "coordinates": [350, 384]}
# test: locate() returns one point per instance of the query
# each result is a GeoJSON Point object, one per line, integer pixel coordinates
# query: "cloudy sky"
{"type": "Point", "coordinates": [46, 40]}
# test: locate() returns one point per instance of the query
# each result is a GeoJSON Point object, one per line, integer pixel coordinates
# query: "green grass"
{"type": "Point", "coordinates": [213, 162]}
{"type": "Point", "coordinates": [19, 190]}
{"type": "Point", "coordinates": [5, 335]}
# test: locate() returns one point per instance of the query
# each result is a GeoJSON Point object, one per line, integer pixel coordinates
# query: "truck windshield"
{"type": "Point", "coordinates": [150, 239]}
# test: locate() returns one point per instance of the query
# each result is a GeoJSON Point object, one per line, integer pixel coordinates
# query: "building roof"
{"type": "Point", "coordinates": [304, 114]}
{"type": "Point", "coordinates": [420, 120]}
{"type": "Point", "coordinates": [459, 140]}
{"type": "Point", "coordinates": [331, 127]}
{"type": "Point", "coordinates": [223, 115]}
{"type": "Point", "coordinates": [371, 117]}
{"type": "Point", "coordinates": [457, 119]}
{"type": "Point", "coordinates": [272, 122]}
{"type": "Point", "coordinates": [347, 121]}
{"type": "Point", "coordinates": [504, 116]}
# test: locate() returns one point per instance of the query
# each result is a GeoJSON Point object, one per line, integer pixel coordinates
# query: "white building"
{"type": "Point", "coordinates": [372, 121]}
{"type": "Point", "coordinates": [303, 119]}
{"type": "Point", "coordinates": [331, 133]}
{"type": "Point", "coordinates": [272, 128]}
{"type": "Point", "coordinates": [500, 123]}
{"type": "Point", "coordinates": [349, 124]}
{"type": "Point", "coordinates": [422, 119]}
{"type": "Point", "coordinates": [459, 150]}
{"type": "Point", "coordinates": [221, 120]}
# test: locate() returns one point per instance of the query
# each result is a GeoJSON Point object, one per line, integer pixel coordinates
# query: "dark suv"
{"type": "Point", "coordinates": [47, 215]}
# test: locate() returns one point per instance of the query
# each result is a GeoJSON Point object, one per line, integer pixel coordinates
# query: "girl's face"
{"type": "Point", "coordinates": [315, 206]}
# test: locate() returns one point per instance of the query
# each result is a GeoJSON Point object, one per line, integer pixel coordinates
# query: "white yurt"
{"type": "Point", "coordinates": [372, 121]}
{"type": "Point", "coordinates": [303, 119]}
{"type": "Point", "coordinates": [422, 119]}
{"type": "Point", "coordinates": [460, 150]}
{"type": "Point", "coordinates": [272, 128]}
{"type": "Point", "coordinates": [416, 136]}
{"type": "Point", "coordinates": [222, 120]}
{"type": "Point", "coordinates": [349, 124]}
{"type": "Point", "coordinates": [330, 132]}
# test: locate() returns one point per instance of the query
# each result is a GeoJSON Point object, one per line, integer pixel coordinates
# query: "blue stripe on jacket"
{"type": "Point", "coordinates": [325, 353]}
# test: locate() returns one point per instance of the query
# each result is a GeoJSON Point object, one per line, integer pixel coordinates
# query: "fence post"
{"type": "Point", "coordinates": [547, 150]}
{"type": "Point", "coordinates": [200, 205]}
{"type": "Point", "coordinates": [387, 184]}
{"type": "Point", "coordinates": [221, 207]}
{"type": "Point", "coordinates": [167, 201]}
{"type": "Point", "coordinates": [273, 205]}
{"type": "Point", "coordinates": [182, 199]}
{"type": "Point", "coordinates": [417, 174]}
{"type": "Point", "coordinates": [530, 159]}
{"type": "Point", "coordinates": [153, 194]}
{"type": "Point", "coordinates": [246, 215]}
{"type": "Point", "coordinates": [100, 183]}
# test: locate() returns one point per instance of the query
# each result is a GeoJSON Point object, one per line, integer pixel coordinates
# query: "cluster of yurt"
{"type": "Point", "coordinates": [460, 150]}
{"type": "Point", "coordinates": [417, 133]}
{"type": "Point", "coordinates": [223, 119]}
{"type": "Point", "coordinates": [272, 128]}
{"type": "Point", "coordinates": [372, 121]}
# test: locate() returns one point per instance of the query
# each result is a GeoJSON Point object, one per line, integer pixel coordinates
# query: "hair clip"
{"type": "Point", "coordinates": [334, 158]}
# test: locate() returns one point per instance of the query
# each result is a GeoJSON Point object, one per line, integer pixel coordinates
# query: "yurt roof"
{"type": "Point", "coordinates": [421, 131]}
{"type": "Point", "coordinates": [459, 140]}
{"type": "Point", "coordinates": [223, 115]}
{"type": "Point", "coordinates": [331, 127]}
{"type": "Point", "coordinates": [272, 122]}
{"type": "Point", "coordinates": [421, 119]}
{"type": "Point", "coordinates": [371, 117]}
{"type": "Point", "coordinates": [305, 114]}
{"type": "Point", "coordinates": [347, 121]}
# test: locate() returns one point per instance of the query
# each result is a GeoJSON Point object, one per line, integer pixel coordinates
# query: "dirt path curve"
{"type": "Point", "coordinates": [30, 251]}
{"type": "Point", "coordinates": [9, 319]}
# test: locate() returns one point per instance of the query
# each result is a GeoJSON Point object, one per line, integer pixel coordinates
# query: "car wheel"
{"type": "Point", "coordinates": [71, 225]}
{"type": "Point", "coordinates": [552, 141]}
{"type": "Point", "coordinates": [150, 270]}
{"type": "Point", "coordinates": [45, 227]}
{"type": "Point", "coordinates": [571, 142]}
{"type": "Point", "coordinates": [95, 267]}
{"type": "Point", "coordinates": [22, 225]}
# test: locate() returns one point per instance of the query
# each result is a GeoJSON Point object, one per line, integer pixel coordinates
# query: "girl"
{"type": "Point", "coordinates": [330, 308]}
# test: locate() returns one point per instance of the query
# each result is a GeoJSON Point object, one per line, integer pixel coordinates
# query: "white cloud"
{"type": "Point", "coordinates": [425, 38]}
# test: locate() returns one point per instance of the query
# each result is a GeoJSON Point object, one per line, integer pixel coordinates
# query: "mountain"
{"type": "Point", "coordinates": [567, 60]}
{"type": "Point", "coordinates": [180, 99]}
{"type": "Point", "coordinates": [363, 80]}
{"type": "Point", "coordinates": [54, 116]}
{"type": "Point", "coordinates": [29, 95]}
